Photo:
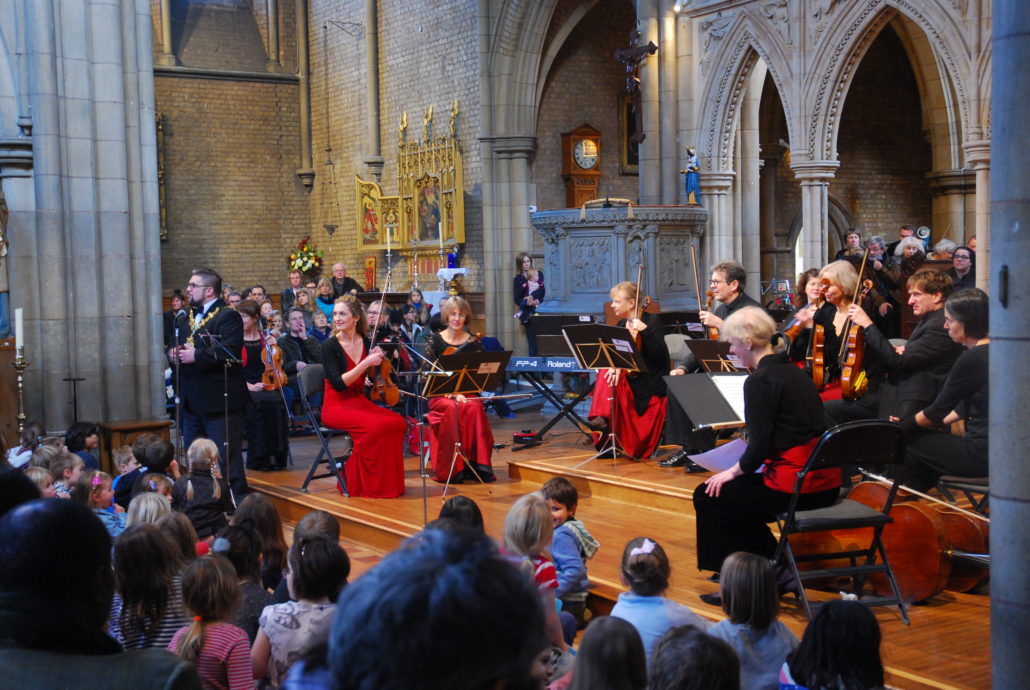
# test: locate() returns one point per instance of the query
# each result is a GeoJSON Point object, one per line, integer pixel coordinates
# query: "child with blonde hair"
{"type": "Point", "coordinates": [220, 650]}
{"type": "Point", "coordinates": [66, 468]}
{"type": "Point", "coordinates": [202, 493]}
{"type": "Point", "coordinates": [156, 483]}
{"type": "Point", "coordinates": [94, 491]}
{"type": "Point", "coordinates": [43, 479]}
{"type": "Point", "coordinates": [147, 508]}
{"type": "Point", "coordinates": [125, 461]}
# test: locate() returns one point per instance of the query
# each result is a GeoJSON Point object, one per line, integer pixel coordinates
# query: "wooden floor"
{"type": "Point", "coordinates": [946, 646]}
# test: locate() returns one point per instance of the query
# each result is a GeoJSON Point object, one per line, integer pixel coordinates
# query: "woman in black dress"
{"type": "Point", "coordinates": [267, 433]}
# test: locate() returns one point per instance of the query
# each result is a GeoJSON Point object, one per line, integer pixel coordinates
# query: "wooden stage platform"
{"type": "Point", "coordinates": [946, 646]}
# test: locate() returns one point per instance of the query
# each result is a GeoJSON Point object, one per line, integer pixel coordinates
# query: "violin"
{"type": "Point", "coordinates": [473, 338]}
{"type": "Point", "coordinates": [853, 380]}
{"type": "Point", "coordinates": [711, 333]}
{"type": "Point", "coordinates": [817, 345]}
{"type": "Point", "coordinates": [384, 387]}
{"type": "Point", "coordinates": [274, 377]}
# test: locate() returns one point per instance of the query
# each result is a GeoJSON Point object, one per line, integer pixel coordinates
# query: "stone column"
{"type": "Point", "coordinates": [814, 177]}
{"type": "Point", "coordinates": [669, 147]}
{"type": "Point", "coordinates": [167, 56]}
{"type": "Point", "coordinates": [951, 189]}
{"type": "Point", "coordinates": [748, 187]}
{"type": "Point", "coordinates": [650, 85]}
{"type": "Point", "coordinates": [978, 154]}
{"type": "Point", "coordinates": [374, 160]}
{"type": "Point", "coordinates": [1010, 332]}
{"type": "Point", "coordinates": [272, 60]}
{"type": "Point", "coordinates": [718, 240]}
{"type": "Point", "coordinates": [306, 171]}
{"type": "Point", "coordinates": [767, 212]}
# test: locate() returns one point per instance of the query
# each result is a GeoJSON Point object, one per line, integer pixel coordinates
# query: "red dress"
{"type": "Point", "coordinates": [376, 467]}
{"type": "Point", "coordinates": [477, 439]}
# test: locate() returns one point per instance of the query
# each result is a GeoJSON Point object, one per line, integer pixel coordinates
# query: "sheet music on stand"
{"type": "Point", "coordinates": [714, 356]}
{"type": "Point", "coordinates": [712, 401]}
{"type": "Point", "coordinates": [599, 346]}
{"type": "Point", "coordinates": [470, 373]}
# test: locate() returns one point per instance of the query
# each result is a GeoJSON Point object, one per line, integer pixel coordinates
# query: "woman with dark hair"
{"type": "Point", "coordinates": [689, 659]}
{"type": "Point", "coordinates": [258, 512]}
{"type": "Point", "coordinates": [931, 453]}
{"type": "Point", "coordinates": [241, 544]}
{"type": "Point", "coordinates": [963, 268]}
{"type": "Point", "coordinates": [147, 610]}
{"type": "Point", "coordinates": [610, 657]}
{"type": "Point", "coordinates": [81, 438]}
{"type": "Point", "coordinates": [375, 468]}
{"type": "Point", "coordinates": [267, 430]}
{"type": "Point", "coordinates": [528, 292]}
{"type": "Point", "coordinates": [463, 511]}
{"type": "Point", "coordinates": [840, 651]}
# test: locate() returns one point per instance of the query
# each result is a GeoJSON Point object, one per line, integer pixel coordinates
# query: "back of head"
{"type": "Point", "coordinates": [463, 511]}
{"type": "Point", "coordinates": [645, 567]}
{"type": "Point", "coordinates": [610, 657]}
{"type": "Point", "coordinates": [747, 584]}
{"type": "Point", "coordinates": [317, 522]}
{"type": "Point", "coordinates": [265, 519]}
{"type": "Point", "coordinates": [528, 527]}
{"type": "Point", "coordinates": [470, 619]}
{"type": "Point", "coordinates": [15, 488]}
{"type": "Point", "coordinates": [58, 551]}
{"type": "Point", "coordinates": [179, 530]}
{"type": "Point", "coordinates": [140, 445]}
{"type": "Point", "coordinates": [840, 649]}
{"type": "Point", "coordinates": [686, 658]}
{"type": "Point", "coordinates": [319, 567]}
{"type": "Point", "coordinates": [241, 544]}
{"type": "Point", "coordinates": [160, 454]}
{"type": "Point", "coordinates": [44, 455]}
{"type": "Point", "coordinates": [147, 508]}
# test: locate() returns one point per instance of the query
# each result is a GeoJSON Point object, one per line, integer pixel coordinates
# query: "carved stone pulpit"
{"type": "Point", "coordinates": [586, 254]}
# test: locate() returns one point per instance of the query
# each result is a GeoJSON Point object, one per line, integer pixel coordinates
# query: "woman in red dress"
{"type": "Point", "coordinates": [376, 467]}
{"type": "Point", "coordinates": [477, 439]}
{"type": "Point", "coordinates": [639, 397]}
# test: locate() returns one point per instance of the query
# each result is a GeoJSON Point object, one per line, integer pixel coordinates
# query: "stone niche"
{"type": "Point", "coordinates": [587, 253]}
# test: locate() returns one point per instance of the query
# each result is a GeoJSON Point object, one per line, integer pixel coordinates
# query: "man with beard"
{"type": "Point", "coordinates": [214, 393]}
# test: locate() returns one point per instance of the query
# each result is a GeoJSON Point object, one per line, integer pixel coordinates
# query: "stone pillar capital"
{"type": "Point", "coordinates": [512, 146]}
{"type": "Point", "coordinates": [942, 182]}
{"type": "Point", "coordinates": [978, 154]}
{"type": "Point", "coordinates": [716, 182]}
{"type": "Point", "coordinates": [814, 171]}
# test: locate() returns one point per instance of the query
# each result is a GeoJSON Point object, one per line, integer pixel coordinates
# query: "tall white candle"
{"type": "Point", "coordinates": [439, 231]}
{"type": "Point", "coordinates": [389, 231]}
{"type": "Point", "coordinates": [19, 339]}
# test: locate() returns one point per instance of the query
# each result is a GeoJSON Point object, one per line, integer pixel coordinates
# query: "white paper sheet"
{"type": "Point", "coordinates": [732, 388]}
{"type": "Point", "coordinates": [722, 457]}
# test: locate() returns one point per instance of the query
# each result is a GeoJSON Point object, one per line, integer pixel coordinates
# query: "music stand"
{"type": "Point", "coordinates": [686, 323]}
{"type": "Point", "coordinates": [712, 401]}
{"type": "Point", "coordinates": [714, 356]}
{"type": "Point", "coordinates": [466, 373]}
{"type": "Point", "coordinates": [605, 347]}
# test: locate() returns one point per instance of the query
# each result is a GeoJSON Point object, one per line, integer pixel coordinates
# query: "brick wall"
{"type": "Point", "coordinates": [584, 86]}
{"type": "Point", "coordinates": [234, 203]}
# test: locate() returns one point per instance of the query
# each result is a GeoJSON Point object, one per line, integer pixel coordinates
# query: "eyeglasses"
{"type": "Point", "coordinates": [190, 286]}
{"type": "Point", "coordinates": [713, 281]}
{"type": "Point", "coordinates": [962, 257]}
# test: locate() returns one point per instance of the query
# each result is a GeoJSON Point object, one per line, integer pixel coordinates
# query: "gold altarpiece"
{"type": "Point", "coordinates": [427, 213]}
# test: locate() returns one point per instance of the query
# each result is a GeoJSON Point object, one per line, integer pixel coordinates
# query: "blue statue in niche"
{"type": "Point", "coordinates": [693, 177]}
{"type": "Point", "coordinates": [452, 257]}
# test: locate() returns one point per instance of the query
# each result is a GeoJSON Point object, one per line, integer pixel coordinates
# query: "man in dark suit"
{"type": "Point", "coordinates": [214, 393]}
{"type": "Point", "coordinates": [919, 367]}
{"type": "Point", "coordinates": [727, 284]}
{"type": "Point", "coordinates": [342, 283]}
{"type": "Point", "coordinates": [288, 296]}
{"type": "Point", "coordinates": [299, 350]}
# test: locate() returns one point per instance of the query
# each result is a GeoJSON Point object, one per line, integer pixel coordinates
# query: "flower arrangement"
{"type": "Point", "coordinates": [305, 258]}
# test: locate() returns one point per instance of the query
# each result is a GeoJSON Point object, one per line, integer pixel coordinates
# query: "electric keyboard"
{"type": "Point", "coordinates": [561, 365]}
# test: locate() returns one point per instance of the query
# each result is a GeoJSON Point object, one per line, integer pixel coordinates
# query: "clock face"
{"type": "Point", "coordinates": [585, 153]}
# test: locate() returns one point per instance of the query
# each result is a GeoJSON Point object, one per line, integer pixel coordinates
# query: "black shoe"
{"type": "Point", "coordinates": [677, 459]}
{"type": "Point", "coordinates": [712, 599]}
{"type": "Point", "coordinates": [693, 468]}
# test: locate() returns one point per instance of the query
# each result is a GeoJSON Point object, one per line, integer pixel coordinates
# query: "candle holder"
{"type": "Point", "coordinates": [414, 270]}
{"type": "Point", "coordinates": [20, 365]}
{"type": "Point", "coordinates": [443, 262]}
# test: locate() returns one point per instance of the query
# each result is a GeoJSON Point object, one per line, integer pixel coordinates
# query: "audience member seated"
{"type": "Point", "coordinates": [202, 493]}
{"type": "Point", "coordinates": [241, 544]}
{"type": "Point", "coordinates": [55, 595]}
{"type": "Point", "coordinates": [943, 250]}
{"type": "Point", "coordinates": [418, 302]}
{"type": "Point", "coordinates": [43, 479]}
{"type": "Point", "coordinates": [259, 512]}
{"type": "Point", "coordinates": [688, 659]}
{"type": "Point", "coordinates": [840, 649]}
{"type": "Point", "coordinates": [963, 268]}
{"type": "Point", "coordinates": [324, 299]}
{"type": "Point", "coordinates": [289, 295]}
{"type": "Point", "coordinates": [147, 608]}
{"type": "Point", "coordinates": [747, 585]}
{"type": "Point", "coordinates": [179, 530]}
{"type": "Point", "coordinates": [316, 523]}
{"type": "Point", "coordinates": [610, 657]}
{"type": "Point", "coordinates": [464, 512]}
{"type": "Point", "coordinates": [94, 491]}
{"type": "Point", "coordinates": [645, 570]}
{"type": "Point", "coordinates": [306, 303]}
{"type": "Point", "coordinates": [320, 329]}
{"type": "Point", "coordinates": [471, 620]}
{"type": "Point", "coordinates": [316, 571]}
{"type": "Point", "coordinates": [28, 440]}
{"type": "Point", "coordinates": [17, 487]}
{"type": "Point", "coordinates": [343, 284]}
{"type": "Point", "coordinates": [125, 488]}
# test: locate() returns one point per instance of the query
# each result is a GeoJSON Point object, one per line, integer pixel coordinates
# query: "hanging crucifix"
{"type": "Point", "coordinates": [633, 57]}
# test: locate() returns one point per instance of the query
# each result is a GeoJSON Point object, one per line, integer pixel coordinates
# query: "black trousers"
{"type": "Point", "coordinates": [737, 519]}
{"type": "Point", "coordinates": [214, 426]}
{"type": "Point", "coordinates": [930, 454]}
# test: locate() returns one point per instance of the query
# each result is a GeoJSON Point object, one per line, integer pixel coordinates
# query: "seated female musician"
{"type": "Point", "coordinates": [639, 397]}
{"type": "Point", "coordinates": [266, 424]}
{"type": "Point", "coordinates": [784, 418]}
{"type": "Point", "coordinates": [929, 454]}
{"type": "Point", "coordinates": [376, 466]}
{"type": "Point", "coordinates": [841, 281]}
{"type": "Point", "coordinates": [459, 414]}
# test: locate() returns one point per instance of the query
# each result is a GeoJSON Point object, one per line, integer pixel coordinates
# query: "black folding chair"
{"type": "Point", "coordinates": [853, 443]}
{"type": "Point", "coordinates": [311, 379]}
{"type": "Point", "coordinates": [977, 491]}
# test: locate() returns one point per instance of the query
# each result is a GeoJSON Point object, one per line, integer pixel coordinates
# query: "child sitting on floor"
{"type": "Point", "coordinates": [94, 491]}
{"type": "Point", "coordinates": [220, 650]}
{"type": "Point", "coordinates": [43, 479]}
{"type": "Point", "coordinates": [571, 546]}
{"type": "Point", "coordinates": [126, 463]}
{"type": "Point", "coordinates": [645, 570]}
{"type": "Point", "coordinates": [747, 585]}
{"type": "Point", "coordinates": [201, 493]}
{"type": "Point", "coordinates": [66, 468]}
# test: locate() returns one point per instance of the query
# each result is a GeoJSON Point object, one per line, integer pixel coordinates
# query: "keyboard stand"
{"type": "Point", "coordinates": [565, 409]}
